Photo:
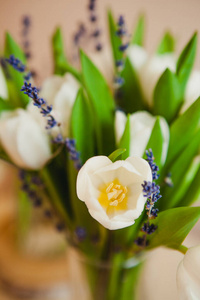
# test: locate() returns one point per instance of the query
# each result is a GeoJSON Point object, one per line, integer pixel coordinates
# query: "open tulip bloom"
{"type": "Point", "coordinates": [118, 161]}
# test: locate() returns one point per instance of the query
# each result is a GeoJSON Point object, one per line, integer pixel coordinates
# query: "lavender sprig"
{"type": "Point", "coordinates": [45, 110]}
{"type": "Point", "coordinates": [121, 32]}
{"type": "Point", "coordinates": [152, 192]}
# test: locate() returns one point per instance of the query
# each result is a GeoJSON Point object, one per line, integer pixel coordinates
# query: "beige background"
{"type": "Point", "coordinates": [181, 17]}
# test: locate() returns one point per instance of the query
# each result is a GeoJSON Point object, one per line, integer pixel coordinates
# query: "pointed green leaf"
{"type": "Point", "coordinates": [156, 142]}
{"type": "Point", "coordinates": [185, 126]}
{"type": "Point", "coordinates": [132, 100]}
{"type": "Point", "coordinates": [193, 192]}
{"type": "Point", "coordinates": [58, 52]}
{"type": "Point", "coordinates": [186, 62]}
{"type": "Point", "coordinates": [167, 44]}
{"type": "Point", "coordinates": [115, 154]}
{"type": "Point", "coordinates": [138, 36]}
{"type": "Point", "coordinates": [16, 79]}
{"type": "Point", "coordinates": [61, 65]}
{"type": "Point", "coordinates": [189, 180]}
{"type": "Point", "coordinates": [126, 139]}
{"type": "Point", "coordinates": [167, 97]}
{"type": "Point", "coordinates": [114, 39]}
{"type": "Point", "coordinates": [173, 226]}
{"type": "Point", "coordinates": [178, 169]}
{"type": "Point", "coordinates": [102, 104]}
{"type": "Point", "coordinates": [82, 127]}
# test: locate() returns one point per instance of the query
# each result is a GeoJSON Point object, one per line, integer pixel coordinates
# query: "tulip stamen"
{"type": "Point", "coordinates": [116, 193]}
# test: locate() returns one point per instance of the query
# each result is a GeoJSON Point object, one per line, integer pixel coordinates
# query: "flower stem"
{"type": "Point", "coordinates": [54, 194]}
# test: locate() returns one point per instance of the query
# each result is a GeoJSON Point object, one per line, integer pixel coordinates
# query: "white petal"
{"type": "Point", "coordinates": [32, 142]}
{"type": "Point", "coordinates": [3, 85]}
{"type": "Point", "coordinates": [63, 104]}
{"type": "Point", "coordinates": [142, 167]}
{"type": "Point", "coordinates": [138, 56]}
{"type": "Point", "coordinates": [109, 223]}
{"type": "Point", "coordinates": [142, 124]}
{"type": "Point", "coordinates": [188, 289]}
{"type": "Point", "coordinates": [166, 134]}
{"type": "Point", "coordinates": [88, 168]}
{"type": "Point", "coordinates": [50, 87]}
{"type": "Point", "coordinates": [120, 123]}
{"type": "Point", "coordinates": [8, 132]}
{"type": "Point", "coordinates": [121, 170]}
{"type": "Point", "coordinates": [151, 72]}
{"type": "Point", "coordinates": [192, 90]}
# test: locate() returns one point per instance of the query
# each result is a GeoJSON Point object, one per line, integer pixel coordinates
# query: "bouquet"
{"type": "Point", "coordinates": [107, 147]}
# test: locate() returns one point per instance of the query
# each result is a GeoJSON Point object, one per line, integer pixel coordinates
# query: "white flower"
{"type": "Point", "coordinates": [138, 56]}
{"type": "Point", "coordinates": [61, 92]}
{"type": "Point", "coordinates": [24, 140]}
{"type": "Point", "coordinates": [112, 192]}
{"type": "Point", "coordinates": [3, 86]}
{"type": "Point", "coordinates": [192, 91]}
{"type": "Point", "coordinates": [151, 71]}
{"type": "Point", "coordinates": [188, 275]}
{"type": "Point", "coordinates": [142, 124]}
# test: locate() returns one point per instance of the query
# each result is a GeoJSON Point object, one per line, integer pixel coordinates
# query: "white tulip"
{"type": "Point", "coordinates": [3, 86]}
{"type": "Point", "coordinates": [192, 91]}
{"type": "Point", "coordinates": [151, 71]}
{"type": "Point", "coordinates": [24, 140]}
{"type": "Point", "coordinates": [61, 92]}
{"type": "Point", "coordinates": [111, 191]}
{"type": "Point", "coordinates": [188, 275]}
{"type": "Point", "coordinates": [141, 124]}
{"type": "Point", "coordinates": [138, 56]}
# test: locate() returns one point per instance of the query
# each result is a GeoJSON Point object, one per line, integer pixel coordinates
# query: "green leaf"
{"type": "Point", "coordinates": [167, 44]}
{"type": "Point", "coordinates": [126, 139]}
{"type": "Point", "coordinates": [82, 127]}
{"type": "Point", "coordinates": [16, 80]}
{"type": "Point", "coordinates": [5, 105]}
{"type": "Point", "coordinates": [186, 183]}
{"type": "Point", "coordinates": [167, 96]}
{"type": "Point", "coordinates": [102, 104]}
{"type": "Point", "coordinates": [185, 62]}
{"type": "Point", "coordinates": [115, 154]}
{"type": "Point", "coordinates": [114, 39]}
{"type": "Point", "coordinates": [132, 100]}
{"type": "Point", "coordinates": [156, 142]}
{"type": "Point", "coordinates": [178, 169]}
{"type": "Point", "coordinates": [138, 36]}
{"type": "Point", "coordinates": [193, 192]}
{"type": "Point", "coordinates": [58, 52]}
{"type": "Point", "coordinates": [185, 126]}
{"type": "Point", "coordinates": [173, 226]}
{"type": "Point", "coordinates": [61, 65]}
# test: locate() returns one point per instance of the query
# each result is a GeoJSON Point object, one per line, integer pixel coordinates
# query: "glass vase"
{"type": "Point", "coordinates": [116, 279]}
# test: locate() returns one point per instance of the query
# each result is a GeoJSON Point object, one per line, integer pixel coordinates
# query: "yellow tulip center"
{"type": "Point", "coordinates": [113, 196]}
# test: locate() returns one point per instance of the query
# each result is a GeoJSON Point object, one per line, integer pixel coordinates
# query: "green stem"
{"type": "Point", "coordinates": [54, 194]}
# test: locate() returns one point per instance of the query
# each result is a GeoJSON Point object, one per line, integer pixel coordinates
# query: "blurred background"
{"type": "Point", "coordinates": [181, 17]}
